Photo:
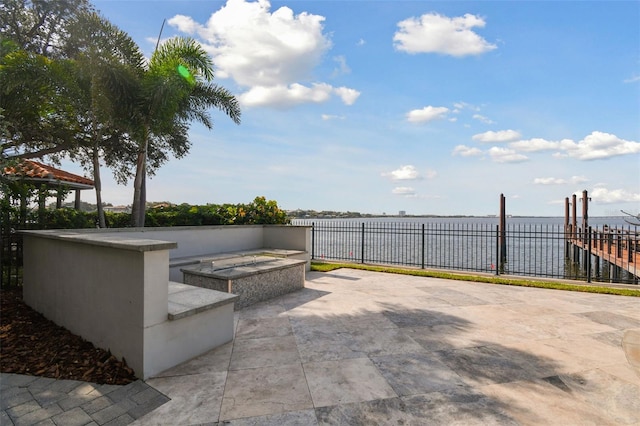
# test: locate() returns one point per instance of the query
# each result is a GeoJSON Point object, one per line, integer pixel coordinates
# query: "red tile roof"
{"type": "Point", "coordinates": [38, 171]}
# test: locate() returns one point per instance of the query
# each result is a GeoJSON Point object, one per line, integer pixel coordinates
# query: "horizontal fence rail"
{"type": "Point", "coordinates": [539, 250]}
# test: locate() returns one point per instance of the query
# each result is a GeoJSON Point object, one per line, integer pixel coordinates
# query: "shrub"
{"type": "Point", "coordinates": [259, 211]}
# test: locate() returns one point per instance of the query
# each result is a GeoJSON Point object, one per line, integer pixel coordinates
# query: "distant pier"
{"type": "Point", "coordinates": [604, 253]}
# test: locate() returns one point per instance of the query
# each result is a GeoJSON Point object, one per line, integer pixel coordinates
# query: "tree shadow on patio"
{"type": "Point", "coordinates": [444, 372]}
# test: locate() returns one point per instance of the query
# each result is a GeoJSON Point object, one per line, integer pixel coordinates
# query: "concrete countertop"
{"type": "Point", "coordinates": [103, 239]}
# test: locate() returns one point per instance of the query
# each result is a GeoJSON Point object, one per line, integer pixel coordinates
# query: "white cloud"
{"type": "Point", "coordinates": [426, 114]}
{"type": "Point", "coordinates": [347, 95]}
{"type": "Point", "coordinates": [185, 24]}
{"type": "Point", "coordinates": [256, 47]}
{"type": "Point", "coordinates": [599, 145]}
{"type": "Point", "coordinates": [506, 155]}
{"type": "Point", "coordinates": [286, 96]}
{"type": "Point", "coordinates": [466, 151]}
{"type": "Point", "coordinates": [343, 68]}
{"type": "Point", "coordinates": [633, 79]}
{"type": "Point", "coordinates": [535, 145]}
{"type": "Point", "coordinates": [404, 190]}
{"type": "Point", "coordinates": [559, 181]}
{"type": "Point", "coordinates": [327, 117]}
{"type": "Point", "coordinates": [273, 54]}
{"type": "Point", "coordinates": [435, 33]}
{"type": "Point", "coordinates": [483, 119]}
{"type": "Point", "coordinates": [549, 181]}
{"type": "Point", "coordinates": [403, 173]}
{"type": "Point", "coordinates": [361, 42]}
{"type": "Point", "coordinates": [465, 105]}
{"type": "Point", "coordinates": [578, 179]}
{"type": "Point", "coordinates": [607, 196]}
{"type": "Point", "coordinates": [496, 137]}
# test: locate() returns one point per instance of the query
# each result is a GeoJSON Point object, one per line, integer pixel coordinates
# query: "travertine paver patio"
{"type": "Point", "coordinates": [357, 347]}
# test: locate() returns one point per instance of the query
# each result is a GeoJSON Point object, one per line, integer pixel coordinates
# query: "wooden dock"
{"type": "Point", "coordinates": [607, 253]}
{"type": "Point", "coordinates": [617, 249]}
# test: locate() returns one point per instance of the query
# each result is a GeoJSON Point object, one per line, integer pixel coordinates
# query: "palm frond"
{"type": "Point", "coordinates": [183, 51]}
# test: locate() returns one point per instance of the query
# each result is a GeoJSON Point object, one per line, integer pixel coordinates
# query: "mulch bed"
{"type": "Point", "coordinates": [31, 344]}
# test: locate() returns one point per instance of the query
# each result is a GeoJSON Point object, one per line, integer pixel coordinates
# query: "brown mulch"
{"type": "Point", "coordinates": [31, 344]}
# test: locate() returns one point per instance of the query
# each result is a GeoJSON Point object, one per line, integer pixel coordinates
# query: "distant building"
{"type": "Point", "coordinates": [402, 213]}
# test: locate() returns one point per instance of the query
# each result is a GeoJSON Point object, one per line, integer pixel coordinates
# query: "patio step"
{"type": "Point", "coordinates": [187, 300]}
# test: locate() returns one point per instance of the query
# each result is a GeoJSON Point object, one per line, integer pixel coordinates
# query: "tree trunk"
{"type": "Point", "coordinates": [137, 190]}
{"type": "Point", "coordinates": [143, 198]}
{"type": "Point", "coordinates": [139, 197]}
{"type": "Point", "coordinates": [98, 187]}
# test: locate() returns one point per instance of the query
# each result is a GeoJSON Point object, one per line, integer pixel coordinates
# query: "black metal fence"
{"type": "Point", "coordinates": [539, 250]}
{"type": "Point", "coordinates": [10, 257]}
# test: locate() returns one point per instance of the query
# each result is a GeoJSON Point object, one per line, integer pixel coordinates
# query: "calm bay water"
{"type": "Point", "coordinates": [535, 246]}
{"type": "Point", "coordinates": [612, 221]}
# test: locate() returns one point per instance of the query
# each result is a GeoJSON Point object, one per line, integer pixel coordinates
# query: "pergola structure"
{"type": "Point", "coordinates": [48, 177]}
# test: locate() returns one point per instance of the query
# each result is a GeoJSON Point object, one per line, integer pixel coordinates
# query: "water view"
{"type": "Point", "coordinates": [532, 246]}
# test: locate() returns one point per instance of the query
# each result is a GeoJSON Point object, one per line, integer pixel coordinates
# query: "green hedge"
{"type": "Point", "coordinates": [259, 211]}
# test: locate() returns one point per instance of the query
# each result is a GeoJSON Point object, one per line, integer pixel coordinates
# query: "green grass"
{"type": "Point", "coordinates": [585, 288]}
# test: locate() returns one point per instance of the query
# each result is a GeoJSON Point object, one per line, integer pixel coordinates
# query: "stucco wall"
{"type": "Point", "coordinates": [111, 286]}
{"type": "Point", "coordinates": [196, 240]}
{"type": "Point", "coordinates": [105, 294]}
{"type": "Point", "coordinates": [287, 237]}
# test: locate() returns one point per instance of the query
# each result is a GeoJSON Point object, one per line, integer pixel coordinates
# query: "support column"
{"type": "Point", "coordinates": [566, 228]}
{"type": "Point", "coordinates": [76, 204]}
{"type": "Point", "coordinates": [59, 198]}
{"type": "Point", "coordinates": [574, 219]}
{"type": "Point", "coordinates": [585, 214]}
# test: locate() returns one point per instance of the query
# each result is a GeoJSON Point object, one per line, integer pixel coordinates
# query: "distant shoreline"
{"type": "Point", "coordinates": [373, 216]}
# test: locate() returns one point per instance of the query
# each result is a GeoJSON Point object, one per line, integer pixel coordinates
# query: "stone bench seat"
{"type": "Point", "coordinates": [198, 321]}
{"type": "Point", "coordinates": [253, 278]}
{"type": "Point", "coordinates": [186, 300]}
{"type": "Point", "coordinates": [176, 264]}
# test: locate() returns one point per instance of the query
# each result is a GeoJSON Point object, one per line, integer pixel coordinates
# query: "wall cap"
{"type": "Point", "coordinates": [103, 240]}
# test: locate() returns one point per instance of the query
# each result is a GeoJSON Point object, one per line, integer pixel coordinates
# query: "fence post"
{"type": "Point", "coordinates": [362, 245]}
{"type": "Point", "coordinates": [497, 249]}
{"type": "Point", "coordinates": [503, 232]}
{"type": "Point", "coordinates": [423, 253]}
{"type": "Point", "coordinates": [313, 240]}
{"type": "Point", "coordinates": [588, 262]}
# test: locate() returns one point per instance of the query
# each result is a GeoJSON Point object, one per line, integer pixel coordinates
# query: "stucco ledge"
{"type": "Point", "coordinates": [103, 239]}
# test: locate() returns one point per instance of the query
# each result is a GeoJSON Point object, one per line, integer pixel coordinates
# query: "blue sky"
{"type": "Point", "coordinates": [427, 107]}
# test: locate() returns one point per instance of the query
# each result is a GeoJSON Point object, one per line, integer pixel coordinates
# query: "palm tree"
{"type": "Point", "coordinates": [107, 65]}
{"type": "Point", "coordinates": [175, 89]}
